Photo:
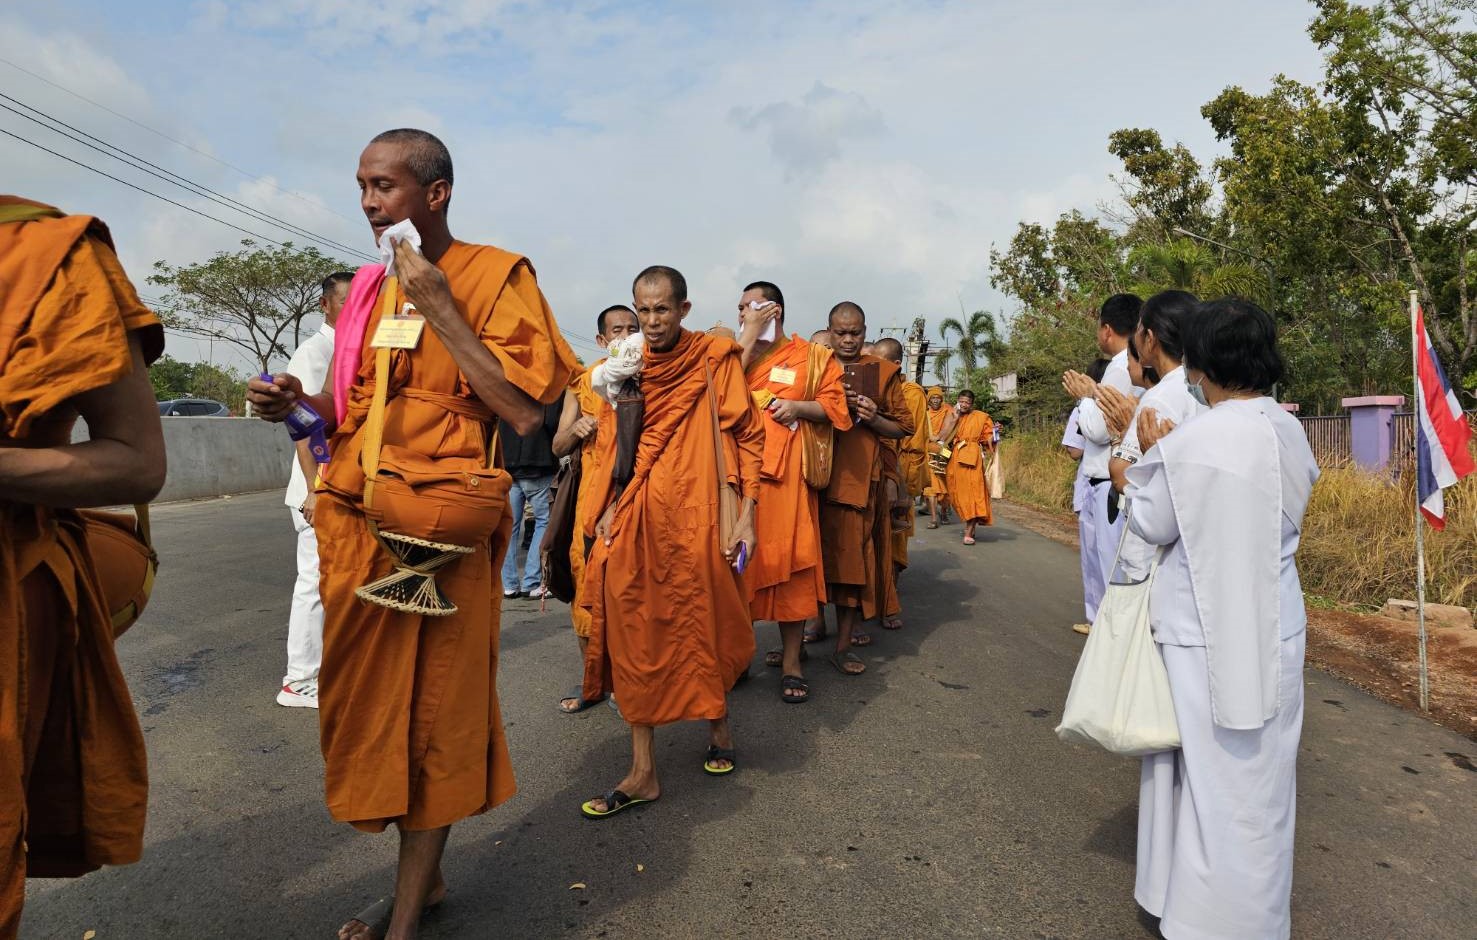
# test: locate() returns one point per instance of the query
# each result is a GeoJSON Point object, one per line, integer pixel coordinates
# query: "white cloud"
{"type": "Point", "coordinates": [804, 137]}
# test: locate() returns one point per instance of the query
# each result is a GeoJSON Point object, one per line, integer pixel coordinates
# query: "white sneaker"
{"type": "Point", "coordinates": [302, 693]}
{"type": "Point", "coordinates": [540, 593]}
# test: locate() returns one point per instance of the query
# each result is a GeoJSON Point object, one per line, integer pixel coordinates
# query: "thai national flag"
{"type": "Point", "coordinates": [1443, 438]}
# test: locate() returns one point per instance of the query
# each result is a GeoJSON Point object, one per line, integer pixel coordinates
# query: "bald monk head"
{"type": "Point", "coordinates": [614, 323]}
{"type": "Point", "coordinates": [869, 349]}
{"type": "Point", "coordinates": [660, 295]}
{"type": "Point", "coordinates": [822, 338]}
{"type": "Point", "coordinates": [848, 328]}
{"type": "Point", "coordinates": [718, 329]}
{"type": "Point", "coordinates": [889, 349]}
{"type": "Point", "coordinates": [406, 174]}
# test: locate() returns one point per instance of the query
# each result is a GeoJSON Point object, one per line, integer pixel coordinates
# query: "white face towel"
{"type": "Point", "coordinates": [624, 362]}
{"type": "Point", "coordinates": [399, 232]}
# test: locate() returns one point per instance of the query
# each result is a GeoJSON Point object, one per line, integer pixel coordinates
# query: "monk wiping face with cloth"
{"type": "Point", "coordinates": [670, 629]}
{"type": "Point", "coordinates": [74, 341]}
{"type": "Point", "coordinates": [792, 381]}
{"type": "Point", "coordinates": [408, 707]}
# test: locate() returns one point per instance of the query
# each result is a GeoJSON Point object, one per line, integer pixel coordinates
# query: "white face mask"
{"type": "Point", "coordinates": [1197, 392]}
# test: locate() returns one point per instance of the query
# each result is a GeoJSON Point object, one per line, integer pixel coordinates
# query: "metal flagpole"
{"type": "Point", "coordinates": [1420, 527]}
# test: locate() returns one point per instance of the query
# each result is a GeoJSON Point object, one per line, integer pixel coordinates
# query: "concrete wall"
{"type": "Point", "coordinates": [220, 456]}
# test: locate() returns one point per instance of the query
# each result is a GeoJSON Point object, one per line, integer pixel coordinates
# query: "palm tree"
{"type": "Point", "coordinates": [1184, 264]}
{"type": "Point", "coordinates": [941, 361]}
{"type": "Point", "coordinates": [977, 341]}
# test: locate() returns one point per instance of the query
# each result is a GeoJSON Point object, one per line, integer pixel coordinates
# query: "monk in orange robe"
{"type": "Point", "coordinates": [408, 708]}
{"type": "Point", "coordinates": [856, 528]}
{"type": "Point", "coordinates": [787, 576]}
{"type": "Point", "coordinates": [74, 341]}
{"type": "Point", "coordinates": [671, 631]}
{"type": "Point", "coordinates": [913, 473]}
{"type": "Point", "coordinates": [588, 422]}
{"type": "Point", "coordinates": [971, 439]}
{"type": "Point", "coordinates": [937, 490]}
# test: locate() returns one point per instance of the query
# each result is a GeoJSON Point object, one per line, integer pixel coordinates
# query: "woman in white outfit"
{"type": "Point", "coordinates": [1225, 494]}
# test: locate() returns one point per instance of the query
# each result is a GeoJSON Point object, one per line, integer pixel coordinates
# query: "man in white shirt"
{"type": "Point", "coordinates": [305, 621]}
{"type": "Point", "coordinates": [1097, 536]}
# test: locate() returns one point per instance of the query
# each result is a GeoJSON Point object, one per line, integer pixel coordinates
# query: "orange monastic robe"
{"type": "Point", "coordinates": [938, 484]}
{"type": "Point", "coordinates": [912, 465]}
{"type": "Point", "coordinates": [971, 442]}
{"type": "Point", "coordinates": [408, 708]}
{"type": "Point", "coordinates": [856, 528]}
{"type": "Point", "coordinates": [671, 627]}
{"type": "Point", "coordinates": [786, 576]}
{"type": "Point", "coordinates": [73, 775]}
{"type": "Point", "coordinates": [586, 513]}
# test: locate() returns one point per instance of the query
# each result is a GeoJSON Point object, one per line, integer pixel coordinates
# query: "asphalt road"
{"type": "Point", "coordinates": [928, 798]}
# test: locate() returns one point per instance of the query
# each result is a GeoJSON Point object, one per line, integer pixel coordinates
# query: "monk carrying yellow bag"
{"type": "Point", "coordinates": [426, 512]}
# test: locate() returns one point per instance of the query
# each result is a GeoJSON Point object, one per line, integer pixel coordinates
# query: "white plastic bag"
{"type": "Point", "coordinates": [1120, 697]}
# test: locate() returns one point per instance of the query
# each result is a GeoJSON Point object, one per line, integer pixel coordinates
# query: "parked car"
{"type": "Point", "coordinates": [193, 408]}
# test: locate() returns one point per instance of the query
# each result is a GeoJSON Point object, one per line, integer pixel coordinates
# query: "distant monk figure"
{"type": "Point", "coordinates": [585, 430]}
{"type": "Point", "coordinates": [411, 729]}
{"type": "Point", "coordinates": [971, 439]}
{"type": "Point", "coordinates": [670, 629]}
{"type": "Point", "coordinates": [937, 490]}
{"type": "Point", "coordinates": [855, 518]}
{"type": "Point", "coordinates": [74, 341]}
{"type": "Point", "coordinates": [912, 455]}
{"type": "Point", "coordinates": [792, 381]}
{"type": "Point", "coordinates": [822, 338]}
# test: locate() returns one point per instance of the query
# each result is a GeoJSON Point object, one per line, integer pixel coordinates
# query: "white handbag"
{"type": "Point", "coordinates": [1120, 697]}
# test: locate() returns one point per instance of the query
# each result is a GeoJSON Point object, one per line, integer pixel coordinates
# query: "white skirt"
{"type": "Point", "coordinates": [1216, 816]}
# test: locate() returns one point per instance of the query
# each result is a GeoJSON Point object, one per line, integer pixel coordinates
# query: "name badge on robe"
{"type": "Point", "coordinates": [782, 376]}
{"type": "Point", "coordinates": [402, 331]}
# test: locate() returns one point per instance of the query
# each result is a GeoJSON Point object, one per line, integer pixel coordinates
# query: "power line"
{"type": "Point", "coordinates": [147, 192]}
{"type": "Point", "coordinates": [168, 176]}
{"type": "Point", "coordinates": [230, 166]}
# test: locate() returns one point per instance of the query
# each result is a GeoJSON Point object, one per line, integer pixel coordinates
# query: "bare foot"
{"type": "Point", "coordinates": [373, 923]}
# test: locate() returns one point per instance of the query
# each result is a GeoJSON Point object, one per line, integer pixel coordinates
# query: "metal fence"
{"type": "Point", "coordinates": [1329, 438]}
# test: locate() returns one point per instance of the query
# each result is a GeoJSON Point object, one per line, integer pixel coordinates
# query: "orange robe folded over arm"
{"type": "Point", "coordinates": [592, 465]}
{"type": "Point", "coordinates": [73, 773]}
{"type": "Point", "coordinates": [671, 630]}
{"type": "Point", "coordinates": [786, 575]}
{"type": "Point", "coordinates": [409, 719]}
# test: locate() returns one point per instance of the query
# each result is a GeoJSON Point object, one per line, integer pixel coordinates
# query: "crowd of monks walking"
{"type": "Point", "coordinates": [726, 478]}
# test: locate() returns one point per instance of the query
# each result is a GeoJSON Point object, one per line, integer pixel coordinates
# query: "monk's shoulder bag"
{"type": "Point", "coordinates": [560, 534]}
{"type": "Point", "coordinates": [123, 556]}
{"type": "Point", "coordinates": [817, 441]}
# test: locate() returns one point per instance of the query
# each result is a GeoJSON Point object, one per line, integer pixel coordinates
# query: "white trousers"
{"type": "Point", "coordinates": [1216, 816]}
{"type": "Point", "coordinates": [1098, 544]}
{"type": "Point", "coordinates": [305, 621]}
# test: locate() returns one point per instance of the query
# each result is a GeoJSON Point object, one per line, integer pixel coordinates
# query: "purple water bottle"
{"type": "Point", "coordinates": [305, 423]}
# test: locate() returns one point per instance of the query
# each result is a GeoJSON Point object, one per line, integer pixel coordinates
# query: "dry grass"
{"type": "Point", "coordinates": [1358, 543]}
{"type": "Point", "coordinates": [1038, 471]}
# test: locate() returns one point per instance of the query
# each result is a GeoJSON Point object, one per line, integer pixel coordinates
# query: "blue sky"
{"type": "Point", "coordinates": [862, 150]}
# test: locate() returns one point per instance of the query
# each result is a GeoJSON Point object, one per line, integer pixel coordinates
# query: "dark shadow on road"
{"type": "Point", "coordinates": [1116, 836]}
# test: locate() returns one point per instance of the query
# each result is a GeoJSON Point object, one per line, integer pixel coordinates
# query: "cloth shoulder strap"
{"type": "Point", "coordinates": [816, 359]}
{"type": "Point", "coordinates": [717, 429]}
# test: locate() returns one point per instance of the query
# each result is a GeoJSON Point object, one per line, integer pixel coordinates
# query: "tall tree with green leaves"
{"type": "Point", "coordinates": [255, 299]}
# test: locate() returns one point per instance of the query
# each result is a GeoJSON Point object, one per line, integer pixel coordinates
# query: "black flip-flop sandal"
{"type": "Point", "coordinates": [720, 753]}
{"type": "Point", "coordinates": [795, 683]}
{"type": "Point", "coordinates": [377, 915]}
{"type": "Point", "coordinates": [584, 703]}
{"type": "Point", "coordinates": [615, 801]}
{"type": "Point", "coordinates": [840, 661]}
{"type": "Point", "coordinates": [813, 636]}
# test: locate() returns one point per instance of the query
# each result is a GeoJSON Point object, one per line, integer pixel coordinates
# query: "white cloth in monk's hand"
{"type": "Point", "coordinates": [399, 232]}
{"type": "Point", "coordinates": [1225, 491]}
{"type": "Point", "coordinates": [624, 362]}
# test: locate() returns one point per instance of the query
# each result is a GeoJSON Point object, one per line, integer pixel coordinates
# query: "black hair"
{"type": "Point", "coordinates": [1121, 313]}
{"type": "Point", "coordinates": [1167, 315]}
{"type": "Point", "coordinates": [1097, 370]}
{"type": "Point", "coordinates": [335, 279]}
{"type": "Point", "coordinates": [426, 155]}
{"type": "Point", "coordinates": [1151, 374]}
{"type": "Point", "coordinates": [769, 290]}
{"type": "Point", "coordinates": [672, 276]}
{"type": "Point", "coordinates": [600, 320]}
{"type": "Point", "coordinates": [963, 392]}
{"type": "Point", "coordinates": [1234, 342]}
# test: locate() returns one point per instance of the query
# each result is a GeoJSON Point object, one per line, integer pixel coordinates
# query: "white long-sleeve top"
{"type": "Point", "coordinates": [1226, 493]}
{"type": "Point", "coordinates": [1094, 426]}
